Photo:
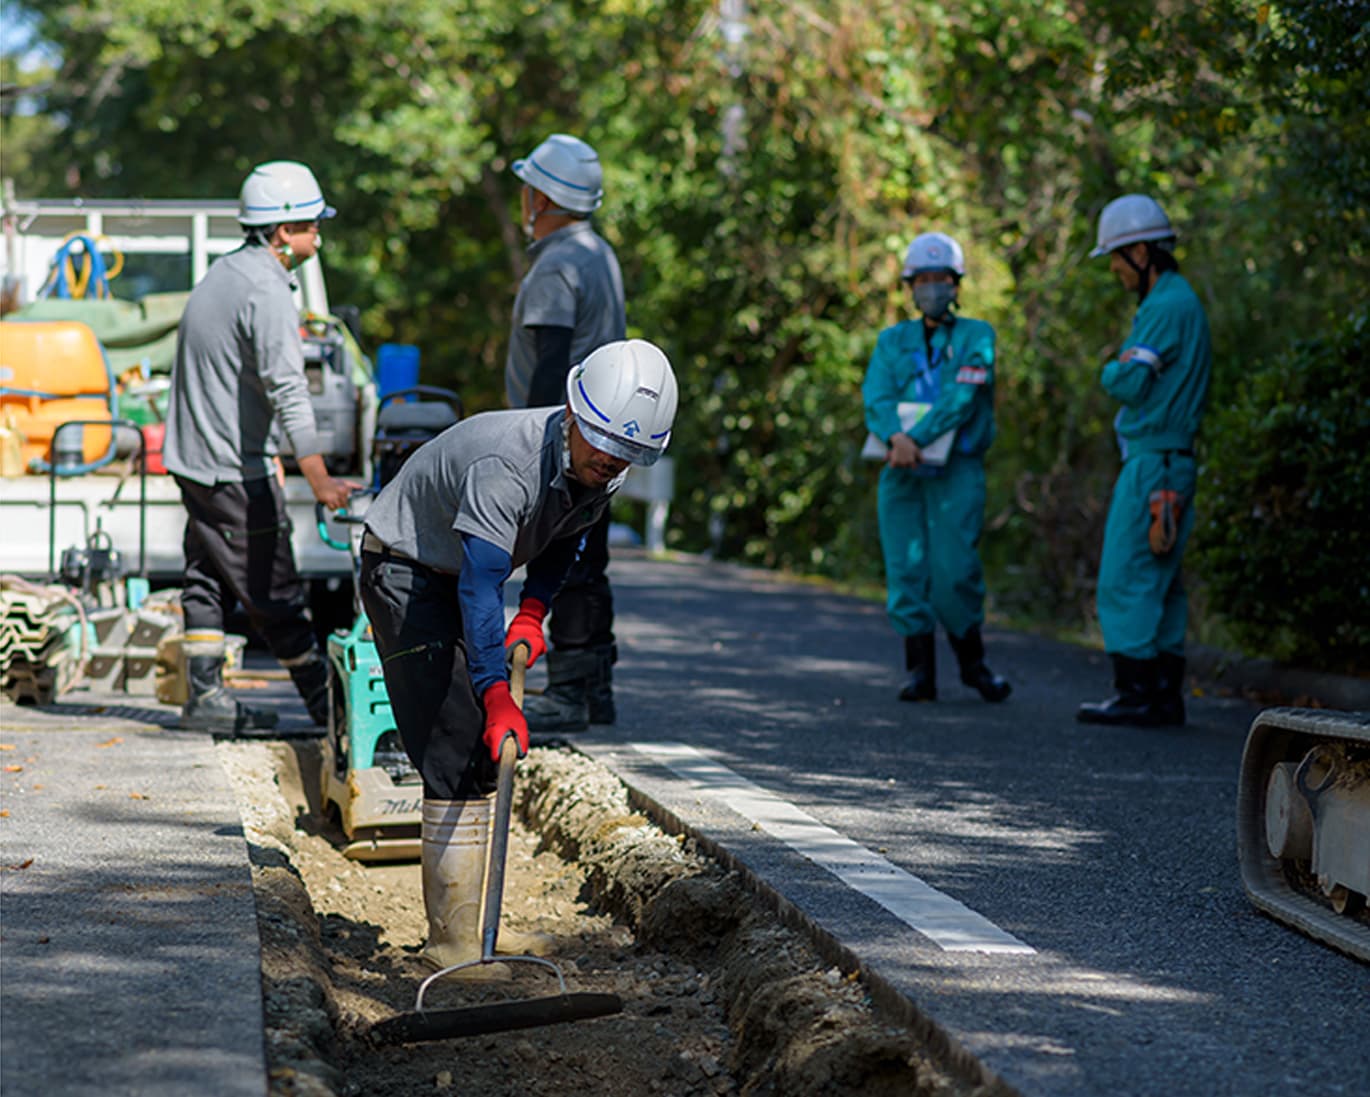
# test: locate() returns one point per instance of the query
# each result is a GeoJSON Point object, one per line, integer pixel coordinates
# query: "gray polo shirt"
{"type": "Point", "coordinates": [574, 283]}
{"type": "Point", "coordinates": [239, 376]}
{"type": "Point", "coordinates": [499, 476]}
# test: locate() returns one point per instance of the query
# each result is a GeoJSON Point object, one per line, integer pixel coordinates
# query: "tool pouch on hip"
{"type": "Point", "coordinates": [1165, 520]}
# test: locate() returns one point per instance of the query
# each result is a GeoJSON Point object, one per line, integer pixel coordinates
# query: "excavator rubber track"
{"type": "Point", "coordinates": [1303, 822]}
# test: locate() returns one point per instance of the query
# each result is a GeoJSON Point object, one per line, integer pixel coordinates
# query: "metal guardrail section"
{"type": "Point", "coordinates": [1279, 747]}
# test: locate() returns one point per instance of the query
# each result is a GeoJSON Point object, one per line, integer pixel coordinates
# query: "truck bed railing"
{"type": "Point", "coordinates": [54, 472]}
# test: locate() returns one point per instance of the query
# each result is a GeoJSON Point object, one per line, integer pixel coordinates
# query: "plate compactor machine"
{"type": "Point", "coordinates": [1303, 822]}
{"type": "Point", "coordinates": [365, 776]}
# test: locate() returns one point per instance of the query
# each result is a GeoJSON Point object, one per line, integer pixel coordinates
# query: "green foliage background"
{"type": "Point", "coordinates": [1286, 511]}
{"type": "Point", "coordinates": [760, 190]}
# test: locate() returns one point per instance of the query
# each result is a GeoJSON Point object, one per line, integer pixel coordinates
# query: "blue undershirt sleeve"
{"type": "Point", "coordinates": [480, 588]}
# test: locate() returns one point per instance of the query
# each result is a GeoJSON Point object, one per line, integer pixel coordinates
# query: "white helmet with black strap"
{"type": "Point", "coordinates": [623, 398]}
{"type": "Point", "coordinates": [281, 192]}
{"type": "Point", "coordinates": [1133, 219]}
{"type": "Point", "coordinates": [1137, 219]}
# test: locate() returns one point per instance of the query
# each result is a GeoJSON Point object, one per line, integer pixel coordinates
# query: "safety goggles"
{"type": "Point", "coordinates": [622, 448]}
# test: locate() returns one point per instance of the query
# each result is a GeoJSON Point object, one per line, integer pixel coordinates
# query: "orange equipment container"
{"type": "Point", "coordinates": [51, 372]}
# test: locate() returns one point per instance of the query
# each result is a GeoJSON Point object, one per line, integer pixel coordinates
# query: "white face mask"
{"type": "Point", "coordinates": [934, 298]}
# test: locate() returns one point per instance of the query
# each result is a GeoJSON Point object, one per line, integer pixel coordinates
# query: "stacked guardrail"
{"type": "Point", "coordinates": [50, 642]}
{"type": "Point", "coordinates": [41, 641]}
{"type": "Point", "coordinates": [124, 656]}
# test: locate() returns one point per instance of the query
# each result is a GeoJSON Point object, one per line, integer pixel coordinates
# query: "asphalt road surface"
{"type": "Point", "coordinates": [1081, 923]}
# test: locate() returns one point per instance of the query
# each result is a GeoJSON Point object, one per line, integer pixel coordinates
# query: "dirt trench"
{"type": "Point", "coordinates": [719, 997]}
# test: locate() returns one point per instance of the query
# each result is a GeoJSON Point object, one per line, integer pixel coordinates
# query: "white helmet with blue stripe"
{"type": "Point", "coordinates": [623, 397]}
{"type": "Point", "coordinates": [281, 192]}
{"type": "Point", "coordinates": [567, 170]}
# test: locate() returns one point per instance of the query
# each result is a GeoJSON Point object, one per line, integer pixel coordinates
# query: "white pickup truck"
{"type": "Point", "coordinates": [165, 247]}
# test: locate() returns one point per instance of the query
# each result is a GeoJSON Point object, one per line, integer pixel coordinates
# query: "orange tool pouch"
{"type": "Point", "coordinates": [1165, 520]}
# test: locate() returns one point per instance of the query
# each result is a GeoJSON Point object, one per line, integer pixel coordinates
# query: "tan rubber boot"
{"type": "Point", "coordinates": [456, 841]}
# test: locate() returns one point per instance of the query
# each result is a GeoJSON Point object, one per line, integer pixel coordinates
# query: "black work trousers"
{"type": "Point", "coordinates": [415, 616]}
{"type": "Point", "coordinates": [583, 610]}
{"type": "Point", "coordinates": [237, 549]}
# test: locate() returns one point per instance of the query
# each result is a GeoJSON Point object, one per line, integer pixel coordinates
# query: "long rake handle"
{"type": "Point", "coordinates": [504, 803]}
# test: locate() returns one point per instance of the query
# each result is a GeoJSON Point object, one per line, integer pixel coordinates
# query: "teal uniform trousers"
{"type": "Point", "coordinates": [1161, 378]}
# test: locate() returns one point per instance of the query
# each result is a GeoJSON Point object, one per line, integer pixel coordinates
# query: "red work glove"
{"type": "Point", "coordinates": [501, 717]}
{"type": "Point", "coordinates": [527, 626]}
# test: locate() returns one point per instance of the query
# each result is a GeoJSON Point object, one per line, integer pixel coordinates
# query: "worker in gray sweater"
{"type": "Point", "coordinates": [238, 381]}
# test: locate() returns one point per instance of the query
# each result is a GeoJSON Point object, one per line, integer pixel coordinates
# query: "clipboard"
{"type": "Point", "coordinates": [935, 452]}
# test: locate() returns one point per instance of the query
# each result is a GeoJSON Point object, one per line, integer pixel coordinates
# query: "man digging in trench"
{"type": "Point", "coordinates": [492, 493]}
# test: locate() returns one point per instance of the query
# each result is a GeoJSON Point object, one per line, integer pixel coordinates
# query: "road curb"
{"type": "Point", "coordinates": [584, 806]}
{"type": "Point", "coordinates": [1274, 682]}
{"type": "Point", "coordinates": [748, 856]}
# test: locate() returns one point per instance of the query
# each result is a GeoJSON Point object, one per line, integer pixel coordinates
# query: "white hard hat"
{"type": "Point", "coordinates": [1130, 220]}
{"type": "Point", "coordinates": [933, 251]}
{"type": "Point", "coordinates": [281, 191]}
{"type": "Point", "coordinates": [624, 398]}
{"type": "Point", "coordinates": [567, 170]}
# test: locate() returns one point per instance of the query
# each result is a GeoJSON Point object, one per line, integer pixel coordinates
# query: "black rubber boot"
{"type": "Point", "coordinates": [210, 707]}
{"type": "Point", "coordinates": [1170, 687]}
{"type": "Point", "coordinates": [311, 680]}
{"type": "Point", "coordinates": [599, 693]}
{"type": "Point", "coordinates": [562, 706]}
{"type": "Point", "coordinates": [970, 654]}
{"type": "Point", "coordinates": [920, 659]}
{"type": "Point", "coordinates": [1136, 702]}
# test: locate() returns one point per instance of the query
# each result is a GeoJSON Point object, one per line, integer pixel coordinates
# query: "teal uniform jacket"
{"type": "Point", "coordinates": [1161, 378]}
{"type": "Point", "coordinates": [931, 518]}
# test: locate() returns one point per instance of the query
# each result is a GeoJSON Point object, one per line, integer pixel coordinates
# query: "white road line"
{"type": "Point", "coordinates": [943, 920]}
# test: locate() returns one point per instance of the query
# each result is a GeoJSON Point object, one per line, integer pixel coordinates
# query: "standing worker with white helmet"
{"type": "Point", "coordinates": [492, 493]}
{"type": "Point", "coordinates": [238, 377]}
{"type": "Point", "coordinates": [569, 303]}
{"type": "Point", "coordinates": [932, 513]}
{"type": "Point", "coordinates": [1161, 378]}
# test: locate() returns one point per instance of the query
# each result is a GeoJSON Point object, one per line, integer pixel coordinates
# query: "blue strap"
{"type": "Point", "coordinates": [5, 390]}
{"type": "Point", "coordinates": [97, 285]}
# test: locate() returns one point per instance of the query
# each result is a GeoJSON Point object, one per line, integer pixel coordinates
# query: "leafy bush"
{"type": "Point", "coordinates": [1283, 539]}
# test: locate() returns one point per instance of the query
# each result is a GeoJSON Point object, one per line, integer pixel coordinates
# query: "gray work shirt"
{"type": "Point", "coordinates": [574, 283]}
{"type": "Point", "coordinates": [239, 376]}
{"type": "Point", "coordinates": [498, 476]}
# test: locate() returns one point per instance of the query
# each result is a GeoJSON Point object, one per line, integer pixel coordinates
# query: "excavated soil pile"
{"type": "Point", "coordinates": [719, 997]}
